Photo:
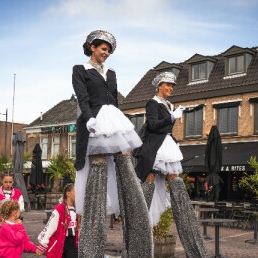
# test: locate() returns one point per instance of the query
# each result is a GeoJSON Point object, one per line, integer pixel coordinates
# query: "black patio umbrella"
{"type": "Point", "coordinates": [18, 162]}
{"type": "Point", "coordinates": [36, 176]}
{"type": "Point", "coordinates": [213, 162]}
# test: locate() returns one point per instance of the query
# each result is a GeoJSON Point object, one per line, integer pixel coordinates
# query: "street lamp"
{"type": "Point", "coordinates": [5, 133]}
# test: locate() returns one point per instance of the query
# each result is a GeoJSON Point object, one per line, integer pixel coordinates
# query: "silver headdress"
{"type": "Point", "coordinates": [164, 77]}
{"type": "Point", "coordinates": [102, 35]}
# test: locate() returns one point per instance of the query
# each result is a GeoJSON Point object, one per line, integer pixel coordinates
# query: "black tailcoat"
{"type": "Point", "coordinates": [159, 125]}
{"type": "Point", "coordinates": [92, 92]}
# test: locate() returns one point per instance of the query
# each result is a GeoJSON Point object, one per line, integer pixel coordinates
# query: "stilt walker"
{"type": "Point", "coordinates": [159, 161]}
{"type": "Point", "coordinates": [106, 182]}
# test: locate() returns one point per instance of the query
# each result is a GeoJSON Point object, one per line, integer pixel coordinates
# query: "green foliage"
{"type": "Point", "coordinates": [161, 230]}
{"type": "Point", "coordinates": [250, 181]}
{"type": "Point", "coordinates": [62, 166]}
{"type": "Point", "coordinates": [5, 163]}
{"type": "Point", "coordinates": [27, 156]}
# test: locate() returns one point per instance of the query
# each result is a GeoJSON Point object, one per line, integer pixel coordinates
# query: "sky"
{"type": "Point", "coordinates": [40, 42]}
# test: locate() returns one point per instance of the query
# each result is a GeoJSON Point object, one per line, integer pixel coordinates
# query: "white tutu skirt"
{"type": "Point", "coordinates": [167, 162]}
{"type": "Point", "coordinates": [114, 133]}
{"type": "Point", "coordinates": [168, 157]}
{"type": "Point", "coordinates": [112, 205]}
{"type": "Point", "coordinates": [160, 201]}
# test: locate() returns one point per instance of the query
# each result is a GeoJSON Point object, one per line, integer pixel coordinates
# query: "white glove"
{"type": "Point", "coordinates": [178, 112]}
{"type": "Point", "coordinates": [91, 125]}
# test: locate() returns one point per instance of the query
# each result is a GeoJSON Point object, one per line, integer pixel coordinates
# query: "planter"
{"type": "Point", "coordinates": [164, 247]}
{"type": "Point", "coordinates": [52, 199]}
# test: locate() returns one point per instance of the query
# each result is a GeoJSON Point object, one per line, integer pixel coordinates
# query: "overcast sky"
{"type": "Point", "coordinates": [41, 40]}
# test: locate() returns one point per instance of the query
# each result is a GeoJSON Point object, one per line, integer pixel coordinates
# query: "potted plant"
{"type": "Point", "coordinates": [164, 241]}
{"type": "Point", "coordinates": [62, 171]}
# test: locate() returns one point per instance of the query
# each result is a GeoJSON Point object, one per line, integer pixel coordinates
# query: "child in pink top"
{"type": "Point", "coordinates": [13, 237]}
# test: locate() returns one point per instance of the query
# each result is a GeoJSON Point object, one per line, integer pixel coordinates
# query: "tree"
{"type": "Point", "coordinates": [250, 181]}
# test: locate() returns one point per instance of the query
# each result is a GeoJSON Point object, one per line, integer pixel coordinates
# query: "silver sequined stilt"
{"type": "Point", "coordinates": [136, 224]}
{"type": "Point", "coordinates": [186, 221]}
{"type": "Point", "coordinates": [148, 191]}
{"type": "Point", "coordinates": [92, 236]}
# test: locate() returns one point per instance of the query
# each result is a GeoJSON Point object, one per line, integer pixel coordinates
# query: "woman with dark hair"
{"type": "Point", "coordinates": [59, 238]}
{"type": "Point", "coordinates": [106, 182]}
{"type": "Point", "coordinates": [159, 160]}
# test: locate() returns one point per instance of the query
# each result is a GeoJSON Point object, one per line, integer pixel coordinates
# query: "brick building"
{"type": "Point", "coordinates": [218, 90]}
{"type": "Point", "coordinates": [6, 129]}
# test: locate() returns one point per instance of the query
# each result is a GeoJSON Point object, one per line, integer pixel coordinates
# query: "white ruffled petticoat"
{"type": "Point", "coordinates": [114, 133]}
{"type": "Point", "coordinates": [167, 162]}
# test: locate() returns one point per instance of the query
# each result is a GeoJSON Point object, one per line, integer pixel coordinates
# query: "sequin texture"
{"type": "Point", "coordinates": [135, 220]}
{"type": "Point", "coordinates": [186, 221]}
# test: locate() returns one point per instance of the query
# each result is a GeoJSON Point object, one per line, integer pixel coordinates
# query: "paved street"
{"type": "Point", "coordinates": [232, 240]}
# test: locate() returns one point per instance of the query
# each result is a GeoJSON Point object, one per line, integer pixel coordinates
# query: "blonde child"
{"type": "Point", "coordinates": [59, 238]}
{"type": "Point", "coordinates": [13, 237]}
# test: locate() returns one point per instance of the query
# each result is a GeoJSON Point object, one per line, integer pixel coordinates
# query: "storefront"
{"type": "Point", "coordinates": [235, 157]}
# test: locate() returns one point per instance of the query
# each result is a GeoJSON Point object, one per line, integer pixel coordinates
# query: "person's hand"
{"type": "Point", "coordinates": [18, 221]}
{"type": "Point", "coordinates": [39, 252]}
{"type": "Point", "coordinates": [91, 125]}
{"type": "Point", "coordinates": [178, 112]}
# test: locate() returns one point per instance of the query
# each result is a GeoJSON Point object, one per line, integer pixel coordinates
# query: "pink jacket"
{"type": "Point", "coordinates": [14, 241]}
{"type": "Point", "coordinates": [15, 194]}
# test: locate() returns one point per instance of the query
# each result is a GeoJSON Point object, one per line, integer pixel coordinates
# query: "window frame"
{"type": "Point", "coordinates": [208, 65]}
{"type": "Point", "coordinates": [71, 142]}
{"type": "Point", "coordinates": [247, 58]}
{"type": "Point", "coordinates": [137, 124]}
{"type": "Point", "coordinates": [42, 146]}
{"type": "Point", "coordinates": [256, 117]}
{"type": "Point", "coordinates": [54, 144]}
{"type": "Point", "coordinates": [195, 121]}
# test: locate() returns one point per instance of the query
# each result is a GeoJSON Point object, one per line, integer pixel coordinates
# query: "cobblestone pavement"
{"type": "Point", "coordinates": [232, 240]}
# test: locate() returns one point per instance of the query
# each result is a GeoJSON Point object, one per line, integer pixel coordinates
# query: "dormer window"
{"type": "Point", "coordinates": [239, 64]}
{"type": "Point", "coordinates": [237, 61]}
{"type": "Point", "coordinates": [201, 71]}
{"type": "Point", "coordinates": [168, 67]}
{"type": "Point", "coordinates": [200, 68]}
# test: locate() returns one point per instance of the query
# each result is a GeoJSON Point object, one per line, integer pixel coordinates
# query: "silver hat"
{"type": "Point", "coordinates": [164, 77]}
{"type": "Point", "coordinates": [102, 35]}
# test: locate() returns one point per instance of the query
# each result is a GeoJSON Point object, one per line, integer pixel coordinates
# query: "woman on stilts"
{"type": "Point", "coordinates": [106, 182]}
{"type": "Point", "coordinates": [159, 160]}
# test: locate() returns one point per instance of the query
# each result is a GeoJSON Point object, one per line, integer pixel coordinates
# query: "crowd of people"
{"type": "Point", "coordinates": [106, 180]}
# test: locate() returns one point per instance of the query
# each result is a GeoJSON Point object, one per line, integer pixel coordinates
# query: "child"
{"type": "Point", "coordinates": [13, 237]}
{"type": "Point", "coordinates": [59, 238]}
{"type": "Point", "coordinates": [8, 192]}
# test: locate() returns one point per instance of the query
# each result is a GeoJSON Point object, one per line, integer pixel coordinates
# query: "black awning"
{"type": "Point", "coordinates": [234, 156]}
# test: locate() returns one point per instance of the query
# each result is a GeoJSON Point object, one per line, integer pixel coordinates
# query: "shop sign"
{"type": "Point", "coordinates": [233, 168]}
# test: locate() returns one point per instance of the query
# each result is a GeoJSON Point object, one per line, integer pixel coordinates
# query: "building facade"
{"type": "Point", "coordinates": [217, 90]}
{"type": "Point", "coordinates": [7, 132]}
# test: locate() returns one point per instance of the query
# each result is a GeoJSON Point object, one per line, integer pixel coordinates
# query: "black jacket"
{"type": "Point", "coordinates": [92, 92]}
{"type": "Point", "coordinates": [159, 125]}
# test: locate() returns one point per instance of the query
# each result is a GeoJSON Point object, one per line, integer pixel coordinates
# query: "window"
{"type": "Point", "coordinates": [228, 120]}
{"type": "Point", "coordinates": [254, 103]}
{"type": "Point", "coordinates": [137, 121]}
{"type": "Point", "coordinates": [193, 123]}
{"type": "Point", "coordinates": [238, 64]}
{"type": "Point", "coordinates": [256, 117]}
{"type": "Point", "coordinates": [201, 71]}
{"type": "Point", "coordinates": [72, 145]}
{"type": "Point", "coordinates": [55, 145]}
{"type": "Point", "coordinates": [43, 145]}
